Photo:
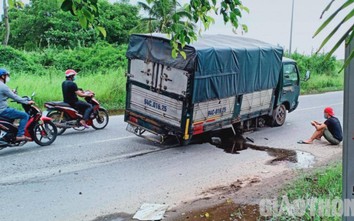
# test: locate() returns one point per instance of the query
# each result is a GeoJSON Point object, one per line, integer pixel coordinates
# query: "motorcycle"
{"type": "Point", "coordinates": [39, 129]}
{"type": "Point", "coordinates": [65, 116]}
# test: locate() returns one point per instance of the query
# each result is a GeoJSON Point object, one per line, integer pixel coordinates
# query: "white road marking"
{"type": "Point", "coordinates": [96, 142]}
{"type": "Point", "coordinates": [113, 139]}
{"type": "Point", "coordinates": [317, 107]}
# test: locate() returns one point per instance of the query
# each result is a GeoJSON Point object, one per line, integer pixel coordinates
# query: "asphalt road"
{"type": "Point", "coordinates": [88, 174]}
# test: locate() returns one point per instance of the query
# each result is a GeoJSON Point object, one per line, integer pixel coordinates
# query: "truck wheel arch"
{"type": "Point", "coordinates": [287, 105]}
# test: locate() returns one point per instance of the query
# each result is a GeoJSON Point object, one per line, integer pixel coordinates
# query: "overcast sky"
{"type": "Point", "coordinates": [269, 21]}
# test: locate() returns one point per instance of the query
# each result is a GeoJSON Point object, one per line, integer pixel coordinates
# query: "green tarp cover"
{"type": "Point", "coordinates": [222, 66]}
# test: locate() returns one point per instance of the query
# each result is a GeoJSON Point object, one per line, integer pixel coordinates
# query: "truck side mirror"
{"type": "Point", "coordinates": [307, 75]}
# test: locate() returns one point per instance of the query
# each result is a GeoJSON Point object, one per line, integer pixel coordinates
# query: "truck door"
{"type": "Point", "coordinates": [291, 88]}
{"type": "Point", "coordinates": [157, 91]}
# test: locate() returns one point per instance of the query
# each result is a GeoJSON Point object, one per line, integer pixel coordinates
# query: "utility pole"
{"type": "Point", "coordinates": [348, 139]}
{"type": "Point", "coordinates": [291, 27]}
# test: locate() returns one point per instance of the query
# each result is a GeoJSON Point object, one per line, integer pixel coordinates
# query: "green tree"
{"type": "Point", "coordinates": [200, 10]}
{"type": "Point", "coordinates": [118, 19]}
{"type": "Point", "coordinates": [161, 15]}
{"type": "Point", "coordinates": [86, 11]}
{"type": "Point", "coordinates": [13, 4]}
{"type": "Point", "coordinates": [51, 26]}
{"type": "Point", "coordinates": [20, 23]}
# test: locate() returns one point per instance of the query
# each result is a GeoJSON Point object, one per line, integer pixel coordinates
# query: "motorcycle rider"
{"type": "Point", "coordinates": [11, 113]}
{"type": "Point", "coordinates": [70, 93]}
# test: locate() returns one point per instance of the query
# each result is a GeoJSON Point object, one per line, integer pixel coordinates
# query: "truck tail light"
{"type": "Point", "coordinates": [198, 128]}
{"type": "Point", "coordinates": [133, 119]}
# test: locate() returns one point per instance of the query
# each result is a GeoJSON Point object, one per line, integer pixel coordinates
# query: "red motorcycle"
{"type": "Point", "coordinates": [65, 116]}
{"type": "Point", "coordinates": [39, 129]}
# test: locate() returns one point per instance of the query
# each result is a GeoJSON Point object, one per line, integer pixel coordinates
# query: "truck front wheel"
{"type": "Point", "coordinates": [279, 115]}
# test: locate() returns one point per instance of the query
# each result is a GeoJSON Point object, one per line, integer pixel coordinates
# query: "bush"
{"type": "Point", "coordinates": [15, 60]}
{"type": "Point", "coordinates": [316, 63]}
{"type": "Point", "coordinates": [324, 72]}
{"type": "Point", "coordinates": [98, 58]}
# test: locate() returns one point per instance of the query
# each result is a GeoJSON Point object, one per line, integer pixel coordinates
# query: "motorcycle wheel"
{"type": "Point", "coordinates": [55, 115]}
{"type": "Point", "coordinates": [101, 119]}
{"type": "Point", "coordinates": [45, 134]}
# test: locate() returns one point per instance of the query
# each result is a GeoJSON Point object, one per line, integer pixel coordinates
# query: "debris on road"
{"type": "Point", "coordinates": [250, 139]}
{"type": "Point", "coordinates": [216, 140]}
{"type": "Point", "coordinates": [149, 211]}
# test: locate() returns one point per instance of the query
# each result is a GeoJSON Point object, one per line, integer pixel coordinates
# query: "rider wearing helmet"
{"type": "Point", "coordinates": [11, 113]}
{"type": "Point", "coordinates": [70, 93]}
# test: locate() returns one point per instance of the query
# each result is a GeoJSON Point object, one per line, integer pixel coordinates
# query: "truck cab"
{"type": "Point", "coordinates": [287, 92]}
{"type": "Point", "coordinates": [291, 84]}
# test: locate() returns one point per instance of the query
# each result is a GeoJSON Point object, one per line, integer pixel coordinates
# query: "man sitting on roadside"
{"type": "Point", "coordinates": [331, 129]}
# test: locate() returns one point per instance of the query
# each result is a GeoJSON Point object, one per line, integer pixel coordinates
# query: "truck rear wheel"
{"type": "Point", "coordinates": [279, 115]}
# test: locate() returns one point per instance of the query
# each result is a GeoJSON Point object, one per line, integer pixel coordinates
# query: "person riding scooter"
{"type": "Point", "coordinates": [70, 93]}
{"type": "Point", "coordinates": [11, 113]}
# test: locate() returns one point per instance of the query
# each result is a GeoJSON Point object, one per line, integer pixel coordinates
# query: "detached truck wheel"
{"type": "Point", "coordinates": [279, 115]}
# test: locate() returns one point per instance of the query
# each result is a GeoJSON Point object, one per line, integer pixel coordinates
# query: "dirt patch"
{"type": "Point", "coordinates": [232, 188]}
{"type": "Point", "coordinates": [116, 112]}
{"type": "Point", "coordinates": [238, 201]}
{"type": "Point", "coordinates": [225, 211]}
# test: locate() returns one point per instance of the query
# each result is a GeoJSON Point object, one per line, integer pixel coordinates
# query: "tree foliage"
{"type": "Point", "coordinates": [347, 37]}
{"type": "Point", "coordinates": [118, 19]}
{"type": "Point", "coordinates": [160, 16]}
{"type": "Point", "coordinates": [200, 11]}
{"type": "Point", "coordinates": [13, 4]}
{"type": "Point", "coordinates": [42, 24]}
{"type": "Point", "coordinates": [86, 11]}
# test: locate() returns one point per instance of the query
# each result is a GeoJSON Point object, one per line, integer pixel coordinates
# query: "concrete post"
{"type": "Point", "coordinates": [348, 139]}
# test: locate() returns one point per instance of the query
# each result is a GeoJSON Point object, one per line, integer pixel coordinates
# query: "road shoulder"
{"type": "Point", "coordinates": [242, 197]}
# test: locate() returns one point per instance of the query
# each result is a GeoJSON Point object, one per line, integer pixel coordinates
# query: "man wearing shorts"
{"type": "Point", "coordinates": [331, 129]}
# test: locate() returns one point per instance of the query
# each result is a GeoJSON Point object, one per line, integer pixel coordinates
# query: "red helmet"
{"type": "Point", "coordinates": [70, 72]}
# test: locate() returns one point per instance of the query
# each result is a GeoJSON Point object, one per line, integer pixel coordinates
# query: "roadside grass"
{"type": "Point", "coordinates": [109, 87]}
{"type": "Point", "coordinates": [323, 83]}
{"type": "Point", "coordinates": [324, 184]}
